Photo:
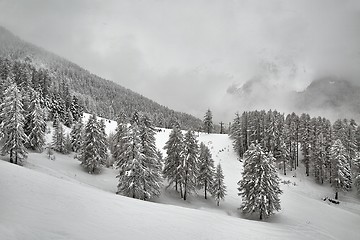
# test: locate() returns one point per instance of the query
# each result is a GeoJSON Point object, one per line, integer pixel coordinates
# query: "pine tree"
{"type": "Point", "coordinates": [69, 120]}
{"type": "Point", "coordinates": [102, 142]}
{"type": "Point", "coordinates": [58, 143]}
{"type": "Point", "coordinates": [119, 141]}
{"type": "Point", "coordinates": [189, 165]}
{"type": "Point", "coordinates": [357, 172]}
{"type": "Point", "coordinates": [130, 165]}
{"type": "Point", "coordinates": [68, 145]}
{"type": "Point", "coordinates": [12, 125]}
{"type": "Point", "coordinates": [259, 187]}
{"type": "Point", "coordinates": [206, 169]}
{"type": "Point", "coordinates": [236, 134]}
{"type": "Point", "coordinates": [173, 161]}
{"type": "Point", "coordinates": [36, 124]}
{"type": "Point", "coordinates": [341, 175]}
{"type": "Point", "coordinates": [153, 178]}
{"type": "Point", "coordinates": [305, 141]}
{"type": "Point", "coordinates": [90, 155]}
{"type": "Point", "coordinates": [283, 155]}
{"type": "Point", "coordinates": [218, 189]}
{"type": "Point", "coordinates": [208, 124]}
{"type": "Point", "coordinates": [56, 120]}
{"type": "Point", "coordinates": [76, 136]}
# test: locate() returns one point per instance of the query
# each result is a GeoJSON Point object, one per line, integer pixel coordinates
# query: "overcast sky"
{"type": "Point", "coordinates": [186, 54]}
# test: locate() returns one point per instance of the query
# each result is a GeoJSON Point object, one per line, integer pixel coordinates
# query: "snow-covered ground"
{"type": "Point", "coordinates": [57, 199]}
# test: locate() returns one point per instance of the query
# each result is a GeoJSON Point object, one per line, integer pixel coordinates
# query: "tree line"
{"type": "Point", "coordinates": [330, 152]}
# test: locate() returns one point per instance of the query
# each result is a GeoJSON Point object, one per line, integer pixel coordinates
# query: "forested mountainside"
{"type": "Point", "coordinates": [58, 77]}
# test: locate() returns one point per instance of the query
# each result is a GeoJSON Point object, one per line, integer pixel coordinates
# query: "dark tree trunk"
{"type": "Point", "coordinates": [11, 156]}
{"type": "Point", "coordinates": [284, 168]}
{"type": "Point", "coordinates": [336, 195]}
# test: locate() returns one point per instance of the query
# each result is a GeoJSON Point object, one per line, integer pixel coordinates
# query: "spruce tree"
{"type": "Point", "coordinates": [341, 175]}
{"type": "Point", "coordinates": [173, 161]}
{"type": "Point", "coordinates": [208, 124]}
{"type": "Point", "coordinates": [189, 166]}
{"type": "Point", "coordinates": [130, 165]}
{"type": "Point", "coordinates": [102, 142]}
{"type": "Point", "coordinates": [153, 178]}
{"type": "Point", "coordinates": [259, 187]}
{"type": "Point", "coordinates": [59, 139]}
{"type": "Point", "coordinates": [357, 172]}
{"type": "Point", "coordinates": [36, 124]}
{"type": "Point", "coordinates": [90, 155]}
{"type": "Point", "coordinates": [76, 136]}
{"type": "Point", "coordinates": [236, 134]}
{"type": "Point", "coordinates": [12, 125]}
{"type": "Point", "coordinates": [206, 169]}
{"type": "Point", "coordinates": [218, 189]}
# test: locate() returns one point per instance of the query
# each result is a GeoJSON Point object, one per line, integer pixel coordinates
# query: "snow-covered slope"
{"type": "Point", "coordinates": [57, 199]}
{"type": "Point", "coordinates": [39, 206]}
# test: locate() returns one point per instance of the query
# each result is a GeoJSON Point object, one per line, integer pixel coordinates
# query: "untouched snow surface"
{"type": "Point", "coordinates": [57, 199]}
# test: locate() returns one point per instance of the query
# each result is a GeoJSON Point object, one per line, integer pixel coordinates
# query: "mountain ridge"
{"type": "Point", "coordinates": [98, 95]}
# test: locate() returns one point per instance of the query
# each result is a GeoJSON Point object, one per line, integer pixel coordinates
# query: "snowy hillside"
{"type": "Point", "coordinates": [57, 199]}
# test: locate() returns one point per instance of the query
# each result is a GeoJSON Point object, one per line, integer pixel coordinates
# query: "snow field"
{"type": "Point", "coordinates": [57, 199]}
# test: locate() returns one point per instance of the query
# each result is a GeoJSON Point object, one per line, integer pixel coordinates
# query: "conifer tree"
{"type": "Point", "coordinates": [218, 189]}
{"type": "Point", "coordinates": [236, 134]}
{"type": "Point", "coordinates": [36, 124]}
{"type": "Point", "coordinates": [153, 178]}
{"type": "Point", "coordinates": [69, 120]}
{"type": "Point", "coordinates": [283, 155]}
{"type": "Point", "coordinates": [56, 120]}
{"type": "Point", "coordinates": [59, 140]}
{"type": "Point", "coordinates": [341, 175]}
{"type": "Point", "coordinates": [12, 125]}
{"type": "Point", "coordinates": [90, 155]}
{"type": "Point", "coordinates": [208, 124]}
{"type": "Point", "coordinates": [206, 169]}
{"type": "Point", "coordinates": [357, 172]}
{"type": "Point", "coordinates": [130, 165]}
{"type": "Point", "coordinates": [173, 161]}
{"type": "Point", "coordinates": [102, 142]}
{"type": "Point", "coordinates": [76, 136]}
{"type": "Point", "coordinates": [259, 187]}
{"type": "Point", "coordinates": [189, 165]}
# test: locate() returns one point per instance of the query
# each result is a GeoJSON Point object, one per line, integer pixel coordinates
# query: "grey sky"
{"type": "Point", "coordinates": [186, 54]}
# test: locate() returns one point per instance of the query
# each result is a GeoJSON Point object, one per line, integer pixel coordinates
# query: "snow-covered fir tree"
{"type": "Point", "coordinates": [69, 119]}
{"type": "Point", "coordinates": [236, 134]}
{"type": "Point", "coordinates": [282, 155]}
{"type": "Point", "coordinates": [118, 140]}
{"type": "Point", "coordinates": [357, 172]}
{"type": "Point", "coordinates": [218, 188]}
{"type": "Point", "coordinates": [36, 124]}
{"type": "Point", "coordinates": [59, 139]}
{"type": "Point", "coordinates": [259, 186]}
{"type": "Point", "coordinates": [173, 161]}
{"type": "Point", "coordinates": [206, 169]}
{"type": "Point", "coordinates": [208, 124]}
{"type": "Point", "coordinates": [76, 136]}
{"type": "Point", "coordinates": [153, 177]}
{"type": "Point", "coordinates": [12, 125]}
{"type": "Point", "coordinates": [131, 165]}
{"type": "Point", "coordinates": [190, 164]}
{"type": "Point", "coordinates": [102, 141]}
{"type": "Point", "coordinates": [90, 154]}
{"type": "Point", "coordinates": [341, 174]}
{"type": "Point", "coordinates": [68, 145]}
{"type": "Point", "coordinates": [56, 119]}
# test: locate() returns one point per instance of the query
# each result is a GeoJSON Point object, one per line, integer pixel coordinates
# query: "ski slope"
{"type": "Point", "coordinates": [57, 199]}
